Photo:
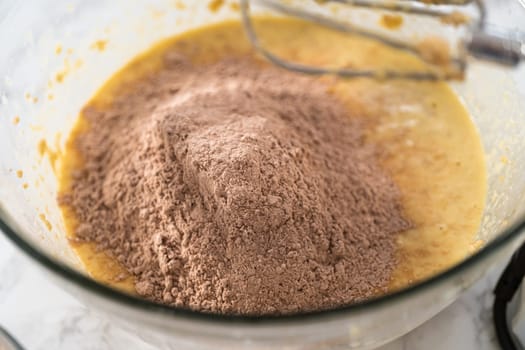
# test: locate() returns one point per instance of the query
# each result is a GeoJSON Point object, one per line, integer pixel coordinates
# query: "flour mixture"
{"type": "Point", "coordinates": [201, 177]}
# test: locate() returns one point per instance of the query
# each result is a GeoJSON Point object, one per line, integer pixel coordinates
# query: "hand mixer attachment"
{"type": "Point", "coordinates": [462, 20]}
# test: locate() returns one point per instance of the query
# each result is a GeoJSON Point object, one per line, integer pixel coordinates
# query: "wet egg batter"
{"type": "Point", "coordinates": [429, 143]}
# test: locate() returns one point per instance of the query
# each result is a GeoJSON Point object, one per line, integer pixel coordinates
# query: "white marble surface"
{"type": "Point", "coordinates": [43, 317]}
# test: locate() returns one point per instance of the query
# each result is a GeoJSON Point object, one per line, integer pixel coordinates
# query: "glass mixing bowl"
{"type": "Point", "coordinates": [54, 55]}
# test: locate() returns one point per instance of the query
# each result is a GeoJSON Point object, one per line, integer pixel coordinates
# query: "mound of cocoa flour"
{"type": "Point", "coordinates": [238, 189]}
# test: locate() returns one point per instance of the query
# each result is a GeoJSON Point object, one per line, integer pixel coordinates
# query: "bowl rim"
{"type": "Point", "coordinates": [120, 297]}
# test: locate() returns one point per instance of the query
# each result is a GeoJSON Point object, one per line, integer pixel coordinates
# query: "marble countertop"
{"type": "Point", "coordinates": [61, 322]}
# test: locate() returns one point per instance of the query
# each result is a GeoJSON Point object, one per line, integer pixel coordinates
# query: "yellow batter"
{"type": "Point", "coordinates": [432, 149]}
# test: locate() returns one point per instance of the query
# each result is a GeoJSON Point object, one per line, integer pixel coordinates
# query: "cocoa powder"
{"type": "Point", "coordinates": [238, 189]}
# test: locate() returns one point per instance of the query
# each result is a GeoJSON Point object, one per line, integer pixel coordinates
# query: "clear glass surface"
{"type": "Point", "coordinates": [49, 68]}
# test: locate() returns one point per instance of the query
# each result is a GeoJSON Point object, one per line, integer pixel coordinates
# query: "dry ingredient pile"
{"type": "Point", "coordinates": [239, 189]}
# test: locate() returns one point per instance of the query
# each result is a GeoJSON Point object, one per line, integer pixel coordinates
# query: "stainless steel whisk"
{"type": "Point", "coordinates": [499, 48]}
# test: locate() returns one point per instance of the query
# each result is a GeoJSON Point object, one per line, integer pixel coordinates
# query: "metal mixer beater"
{"type": "Point", "coordinates": [468, 17]}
